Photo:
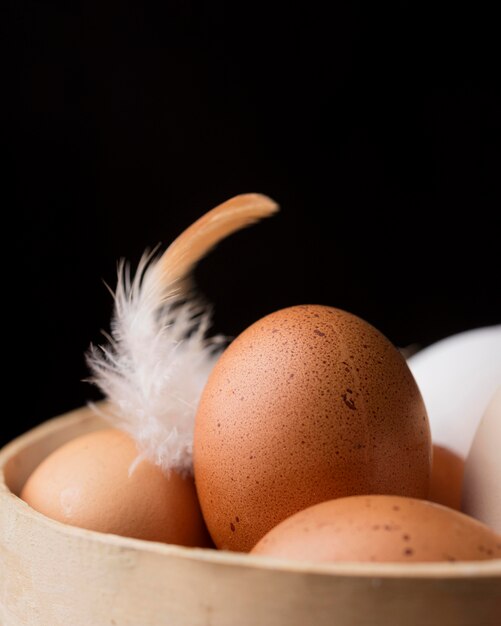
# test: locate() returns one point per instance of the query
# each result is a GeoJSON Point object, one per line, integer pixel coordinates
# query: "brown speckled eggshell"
{"type": "Point", "coordinates": [380, 529]}
{"type": "Point", "coordinates": [308, 404]}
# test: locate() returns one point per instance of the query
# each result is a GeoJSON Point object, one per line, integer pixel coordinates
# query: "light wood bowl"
{"type": "Point", "coordinates": [52, 574]}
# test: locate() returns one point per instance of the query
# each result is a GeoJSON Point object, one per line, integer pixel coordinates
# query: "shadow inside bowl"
{"type": "Point", "coordinates": [30, 451]}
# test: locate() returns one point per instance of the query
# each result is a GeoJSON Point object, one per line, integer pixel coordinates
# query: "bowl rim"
{"type": "Point", "coordinates": [442, 570]}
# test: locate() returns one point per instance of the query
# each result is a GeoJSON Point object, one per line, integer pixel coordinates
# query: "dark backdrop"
{"type": "Point", "coordinates": [376, 129]}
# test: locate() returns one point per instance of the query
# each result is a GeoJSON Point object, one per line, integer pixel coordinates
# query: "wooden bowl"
{"type": "Point", "coordinates": [53, 574]}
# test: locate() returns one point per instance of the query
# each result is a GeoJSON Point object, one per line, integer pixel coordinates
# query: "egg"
{"type": "Point", "coordinates": [446, 477]}
{"type": "Point", "coordinates": [457, 377]}
{"type": "Point", "coordinates": [380, 529]}
{"type": "Point", "coordinates": [90, 482]}
{"type": "Point", "coordinates": [308, 404]}
{"type": "Point", "coordinates": [482, 480]}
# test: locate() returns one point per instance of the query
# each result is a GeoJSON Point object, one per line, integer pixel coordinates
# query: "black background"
{"type": "Point", "coordinates": [377, 129]}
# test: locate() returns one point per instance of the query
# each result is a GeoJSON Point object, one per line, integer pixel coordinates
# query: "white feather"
{"type": "Point", "coordinates": [154, 367]}
{"type": "Point", "coordinates": [158, 358]}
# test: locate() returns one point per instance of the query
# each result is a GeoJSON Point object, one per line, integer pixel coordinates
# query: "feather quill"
{"type": "Point", "coordinates": [158, 358]}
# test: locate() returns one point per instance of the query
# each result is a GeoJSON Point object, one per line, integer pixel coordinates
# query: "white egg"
{"type": "Point", "coordinates": [457, 377]}
{"type": "Point", "coordinates": [482, 472]}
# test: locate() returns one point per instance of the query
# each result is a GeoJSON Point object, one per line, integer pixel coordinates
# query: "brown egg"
{"type": "Point", "coordinates": [380, 529]}
{"type": "Point", "coordinates": [86, 483]}
{"type": "Point", "coordinates": [308, 404]}
{"type": "Point", "coordinates": [446, 481]}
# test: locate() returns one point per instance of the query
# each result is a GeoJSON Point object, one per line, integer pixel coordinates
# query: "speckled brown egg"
{"type": "Point", "coordinates": [380, 529]}
{"type": "Point", "coordinates": [308, 404]}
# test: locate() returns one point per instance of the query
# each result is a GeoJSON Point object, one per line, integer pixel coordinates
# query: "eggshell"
{"type": "Point", "coordinates": [482, 480]}
{"type": "Point", "coordinates": [86, 483]}
{"type": "Point", "coordinates": [380, 529]}
{"type": "Point", "coordinates": [446, 482]}
{"type": "Point", "coordinates": [457, 377]}
{"type": "Point", "coordinates": [308, 404]}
